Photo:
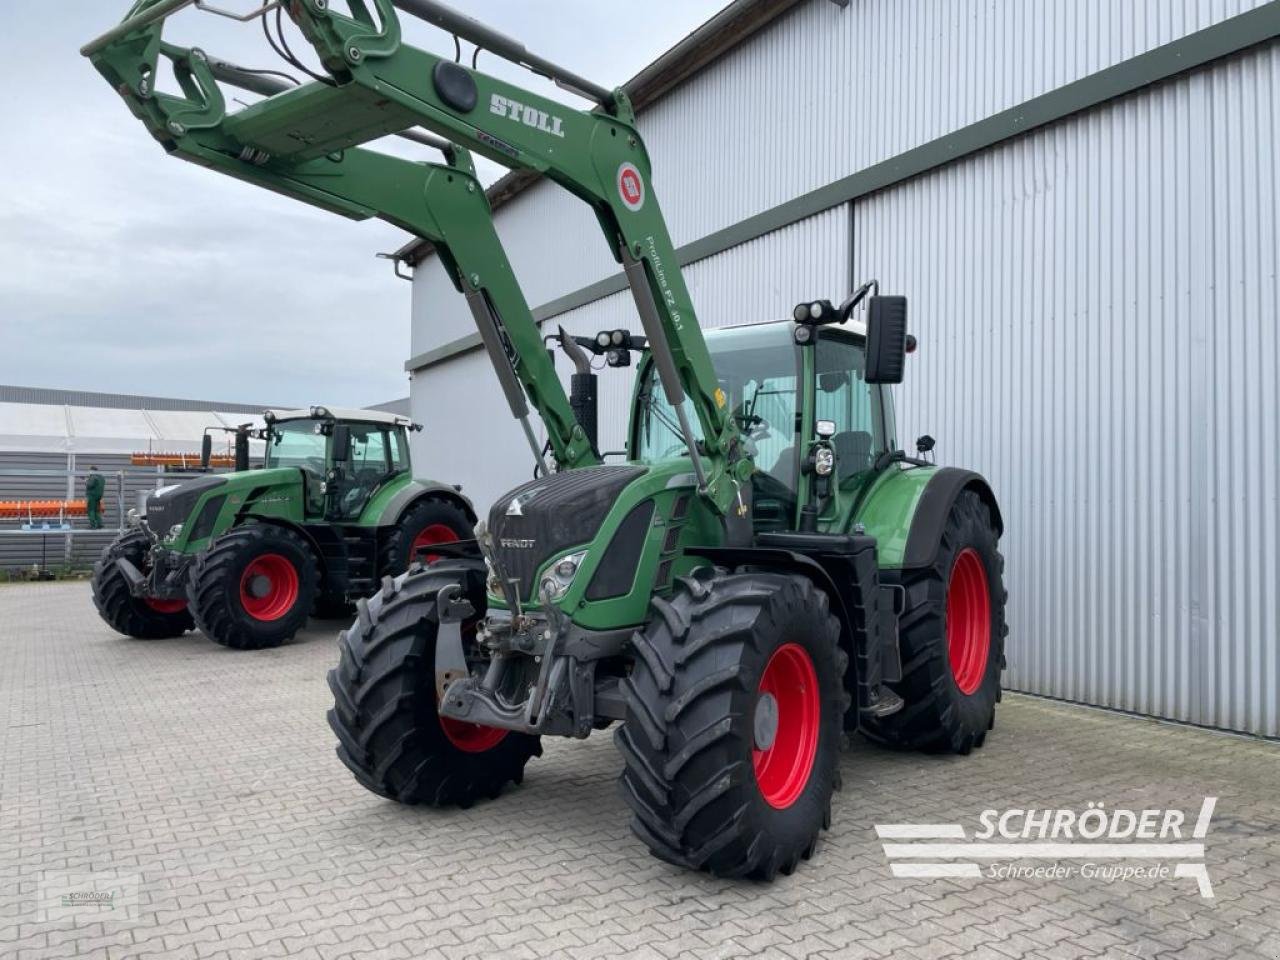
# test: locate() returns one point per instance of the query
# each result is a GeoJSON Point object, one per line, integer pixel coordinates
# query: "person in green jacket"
{"type": "Point", "coordinates": [94, 487]}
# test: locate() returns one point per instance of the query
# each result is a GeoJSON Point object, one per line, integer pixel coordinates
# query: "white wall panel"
{"type": "Point", "coordinates": [439, 313]}
{"type": "Point", "coordinates": [1096, 307]}
{"type": "Point", "coordinates": [469, 435]}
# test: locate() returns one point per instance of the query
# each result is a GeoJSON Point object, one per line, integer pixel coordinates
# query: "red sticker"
{"type": "Point", "coordinates": [630, 186]}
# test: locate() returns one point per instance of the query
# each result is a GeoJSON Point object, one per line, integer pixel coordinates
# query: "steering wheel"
{"type": "Point", "coordinates": [753, 426]}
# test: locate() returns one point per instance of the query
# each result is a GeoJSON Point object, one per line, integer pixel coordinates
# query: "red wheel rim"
{"type": "Point", "coordinates": [160, 605]}
{"type": "Point", "coordinates": [968, 620]}
{"type": "Point", "coordinates": [269, 587]}
{"type": "Point", "coordinates": [782, 770]}
{"type": "Point", "coordinates": [430, 534]}
{"type": "Point", "coordinates": [471, 737]}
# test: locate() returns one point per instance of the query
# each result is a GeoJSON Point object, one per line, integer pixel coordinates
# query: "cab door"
{"type": "Point", "coordinates": [367, 461]}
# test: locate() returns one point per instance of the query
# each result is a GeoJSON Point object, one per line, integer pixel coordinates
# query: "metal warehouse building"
{"type": "Point", "coordinates": [1079, 198]}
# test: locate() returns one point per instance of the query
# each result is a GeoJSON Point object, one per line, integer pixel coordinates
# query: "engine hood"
{"type": "Point", "coordinates": [544, 517]}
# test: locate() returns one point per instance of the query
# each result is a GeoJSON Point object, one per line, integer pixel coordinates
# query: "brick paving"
{"type": "Point", "coordinates": [209, 776]}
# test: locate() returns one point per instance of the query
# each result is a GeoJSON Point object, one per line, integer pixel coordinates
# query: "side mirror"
{"type": "Point", "coordinates": [341, 442]}
{"type": "Point", "coordinates": [886, 339]}
{"type": "Point", "coordinates": [206, 451]}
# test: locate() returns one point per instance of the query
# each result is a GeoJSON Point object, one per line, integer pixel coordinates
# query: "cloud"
{"type": "Point", "coordinates": [122, 269]}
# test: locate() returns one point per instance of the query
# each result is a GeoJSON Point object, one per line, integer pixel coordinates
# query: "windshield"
{"type": "Point", "coordinates": [756, 367]}
{"type": "Point", "coordinates": [295, 443]}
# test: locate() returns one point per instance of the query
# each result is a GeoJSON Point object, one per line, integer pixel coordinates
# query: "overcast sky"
{"type": "Point", "coordinates": [123, 269]}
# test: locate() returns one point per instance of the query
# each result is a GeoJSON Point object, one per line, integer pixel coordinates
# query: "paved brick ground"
{"type": "Point", "coordinates": [210, 775]}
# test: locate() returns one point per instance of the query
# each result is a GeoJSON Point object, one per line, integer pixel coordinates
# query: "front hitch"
{"type": "Point", "coordinates": [451, 660]}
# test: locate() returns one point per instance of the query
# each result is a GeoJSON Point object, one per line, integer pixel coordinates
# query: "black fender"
{"type": "Point", "coordinates": [420, 490]}
{"type": "Point", "coordinates": [934, 506]}
{"type": "Point", "coordinates": [299, 529]}
{"type": "Point", "coordinates": [775, 559]}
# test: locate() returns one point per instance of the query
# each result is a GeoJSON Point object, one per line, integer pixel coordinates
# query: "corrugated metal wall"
{"type": "Point", "coordinates": [1096, 304]}
{"type": "Point", "coordinates": [30, 475]}
{"type": "Point", "coordinates": [828, 90]}
{"type": "Point", "coordinates": [822, 93]}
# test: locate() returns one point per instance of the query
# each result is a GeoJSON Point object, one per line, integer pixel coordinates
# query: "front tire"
{"type": "Point", "coordinates": [734, 707]}
{"type": "Point", "coordinates": [384, 714]}
{"type": "Point", "coordinates": [137, 617]}
{"type": "Point", "coordinates": [427, 522]}
{"type": "Point", "coordinates": [254, 587]}
{"type": "Point", "coordinates": [951, 637]}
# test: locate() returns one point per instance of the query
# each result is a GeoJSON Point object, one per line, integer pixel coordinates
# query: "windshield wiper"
{"type": "Point", "coordinates": [667, 421]}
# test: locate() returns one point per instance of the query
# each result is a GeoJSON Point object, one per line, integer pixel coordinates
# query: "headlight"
{"type": "Point", "coordinates": [824, 461]}
{"type": "Point", "coordinates": [559, 576]}
{"type": "Point", "coordinates": [174, 532]}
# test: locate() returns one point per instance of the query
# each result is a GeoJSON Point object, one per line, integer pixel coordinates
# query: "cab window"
{"type": "Point", "coordinates": [369, 453]}
{"type": "Point", "coordinates": [398, 449]}
{"type": "Point", "coordinates": [297, 443]}
{"type": "Point", "coordinates": [843, 397]}
{"type": "Point", "coordinates": [757, 368]}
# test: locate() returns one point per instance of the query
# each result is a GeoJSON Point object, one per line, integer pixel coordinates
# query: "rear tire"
{"type": "Point", "coordinates": [717, 778]}
{"type": "Point", "coordinates": [952, 646]}
{"type": "Point", "coordinates": [253, 587]}
{"type": "Point", "coordinates": [427, 521]}
{"type": "Point", "coordinates": [124, 613]}
{"type": "Point", "coordinates": [389, 733]}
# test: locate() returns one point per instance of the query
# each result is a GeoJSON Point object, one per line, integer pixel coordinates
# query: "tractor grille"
{"type": "Point", "coordinates": [175, 506]}
{"type": "Point", "coordinates": [544, 517]}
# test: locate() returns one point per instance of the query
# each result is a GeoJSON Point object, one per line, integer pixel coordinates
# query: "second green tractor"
{"type": "Point", "coordinates": [247, 556]}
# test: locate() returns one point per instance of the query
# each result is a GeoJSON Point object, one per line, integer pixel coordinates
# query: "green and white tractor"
{"type": "Point", "coordinates": [766, 570]}
{"type": "Point", "coordinates": [247, 556]}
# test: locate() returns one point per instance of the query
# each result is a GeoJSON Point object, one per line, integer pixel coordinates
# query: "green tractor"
{"type": "Point", "coordinates": [854, 589]}
{"type": "Point", "coordinates": [766, 571]}
{"type": "Point", "coordinates": [247, 556]}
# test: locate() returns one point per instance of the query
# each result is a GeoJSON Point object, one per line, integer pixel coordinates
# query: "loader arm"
{"type": "Point", "coordinates": [597, 155]}
{"type": "Point", "coordinates": [272, 147]}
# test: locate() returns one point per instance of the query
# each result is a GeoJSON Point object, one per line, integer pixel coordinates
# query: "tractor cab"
{"type": "Point", "coordinates": [793, 392]}
{"type": "Point", "coordinates": [345, 456]}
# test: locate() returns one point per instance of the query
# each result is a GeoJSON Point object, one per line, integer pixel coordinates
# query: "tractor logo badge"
{"type": "Point", "coordinates": [516, 507]}
{"type": "Point", "coordinates": [630, 187]}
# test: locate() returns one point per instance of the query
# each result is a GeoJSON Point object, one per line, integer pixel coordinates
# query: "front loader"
{"type": "Point", "coordinates": [765, 571]}
{"type": "Point", "coordinates": [246, 556]}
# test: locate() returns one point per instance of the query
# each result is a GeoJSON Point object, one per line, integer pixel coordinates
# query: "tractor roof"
{"type": "Point", "coordinates": [854, 326]}
{"type": "Point", "coordinates": [337, 413]}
